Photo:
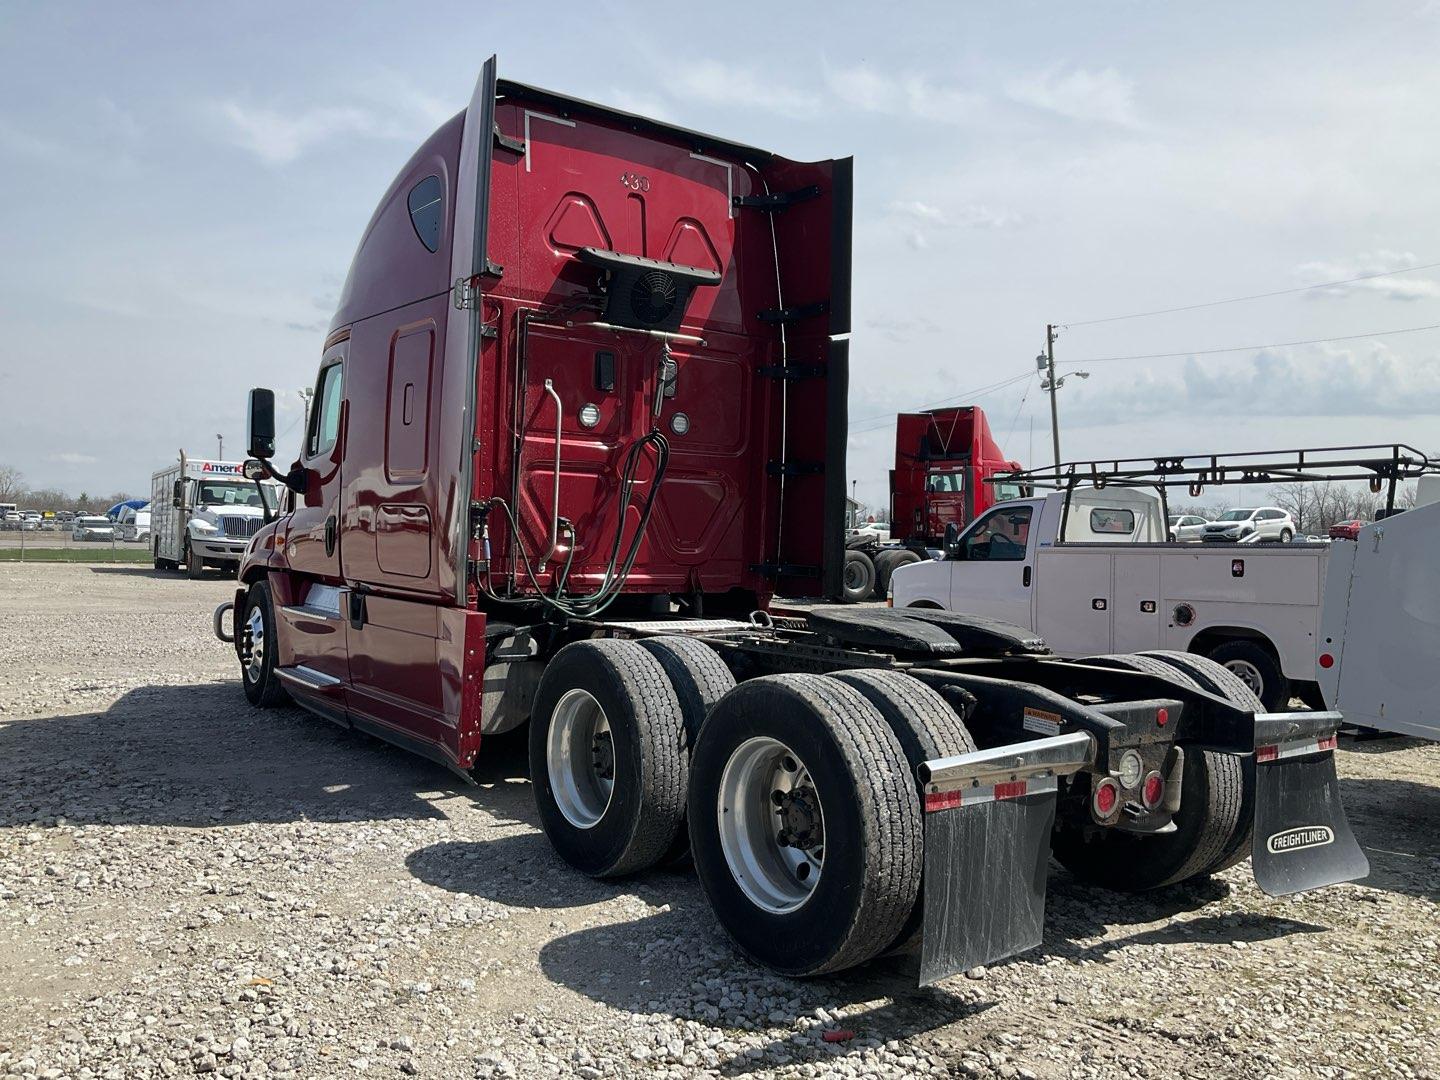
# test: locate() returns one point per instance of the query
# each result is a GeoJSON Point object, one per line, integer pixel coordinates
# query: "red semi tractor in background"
{"type": "Point", "coordinates": [580, 414]}
{"type": "Point", "coordinates": [945, 464]}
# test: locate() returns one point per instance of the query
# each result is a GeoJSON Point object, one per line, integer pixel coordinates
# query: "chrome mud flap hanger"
{"type": "Point", "coordinates": [988, 817]}
{"type": "Point", "coordinates": [1302, 837]}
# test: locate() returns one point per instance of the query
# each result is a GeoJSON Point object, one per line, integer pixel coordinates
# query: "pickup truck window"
{"type": "Point", "coordinates": [1000, 535]}
{"type": "Point", "coordinates": [1112, 521]}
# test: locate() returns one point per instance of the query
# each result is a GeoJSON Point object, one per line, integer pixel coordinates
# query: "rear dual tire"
{"type": "Point", "coordinates": [858, 582]}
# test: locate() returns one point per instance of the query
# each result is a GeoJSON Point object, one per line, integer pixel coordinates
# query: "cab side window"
{"type": "Point", "coordinates": [325, 413]}
{"type": "Point", "coordinates": [1000, 535]}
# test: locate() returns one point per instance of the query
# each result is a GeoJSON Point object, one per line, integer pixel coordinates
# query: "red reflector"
{"type": "Point", "coordinates": [1107, 794]}
{"type": "Point", "coordinates": [1162, 717]}
{"type": "Point", "coordinates": [1330, 743]}
{"type": "Point", "coordinates": [1326, 660]}
{"type": "Point", "coordinates": [1267, 753]}
{"type": "Point", "coordinates": [1153, 791]}
{"type": "Point", "coordinates": [1011, 790]}
{"type": "Point", "coordinates": [941, 800]}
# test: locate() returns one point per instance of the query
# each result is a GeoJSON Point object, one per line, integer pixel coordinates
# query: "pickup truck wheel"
{"type": "Point", "coordinates": [256, 628]}
{"type": "Point", "coordinates": [1219, 679]}
{"type": "Point", "coordinates": [1212, 792]}
{"type": "Point", "coordinates": [1256, 667]}
{"type": "Point", "coordinates": [859, 580]}
{"type": "Point", "coordinates": [607, 757]}
{"type": "Point", "coordinates": [194, 564]}
{"type": "Point", "coordinates": [700, 679]}
{"type": "Point", "coordinates": [783, 764]}
{"type": "Point", "coordinates": [886, 563]}
{"type": "Point", "coordinates": [927, 728]}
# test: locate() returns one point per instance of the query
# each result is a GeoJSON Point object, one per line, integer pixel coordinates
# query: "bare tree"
{"type": "Point", "coordinates": [12, 484]}
{"type": "Point", "coordinates": [1316, 505]}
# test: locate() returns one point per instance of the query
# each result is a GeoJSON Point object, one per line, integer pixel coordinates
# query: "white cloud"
{"type": "Point", "coordinates": [864, 88]}
{"type": "Point", "coordinates": [279, 137]}
{"type": "Point", "coordinates": [74, 459]}
{"type": "Point", "coordinates": [922, 219]}
{"type": "Point", "coordinates": [726, 84]}
{"type": "Point", "coordinates": [1077, 94]}
{"type": "Point", "coordinates": [1399, 287]}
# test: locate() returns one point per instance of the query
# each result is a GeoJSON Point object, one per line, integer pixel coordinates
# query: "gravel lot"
{"type": "Point", "coordinates": [189, 886]}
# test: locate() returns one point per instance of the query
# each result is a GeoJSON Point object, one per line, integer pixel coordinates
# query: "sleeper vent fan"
{"type": "Point", "coordinates": [646, 294]}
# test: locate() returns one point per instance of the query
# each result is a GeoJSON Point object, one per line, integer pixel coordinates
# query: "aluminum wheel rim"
{"type": "Point", "coordinates": [1249, 674]}
{"type": "Point", "coordinates": [255, 628]}
{"type": "Point", "coordinates": [580, 758]}
{"type": "Point", "coordinates": [765, 791]}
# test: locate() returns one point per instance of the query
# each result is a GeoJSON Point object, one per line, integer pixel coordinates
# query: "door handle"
{"type": "Point", "coordinates": [330, 536]}
{"type": "Point", "coordinates": [1025, 578]}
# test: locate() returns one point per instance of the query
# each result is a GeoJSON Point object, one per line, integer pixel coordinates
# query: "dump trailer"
{"type": "Point", "coordinates": [580, 415]}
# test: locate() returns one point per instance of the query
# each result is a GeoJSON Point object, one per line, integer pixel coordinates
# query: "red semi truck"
{"type": "Point", "coordinates": [580, 413]}
{"type": "Point", "coordinates": [945, 460]}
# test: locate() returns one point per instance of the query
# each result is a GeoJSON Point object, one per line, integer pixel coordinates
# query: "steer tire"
{"type": "Point", "coordinates": [927, 728]}
{"type": "Point", "coordinates": [859, 580]}
{"type": "Point", "coordinates": [886, 563]}
{"type": "Point", "coordinates": [700, 679]}
{"type": "Point", "coordinates": [868, 884]}
{"type": "Point", "coordinates": [1274, 690]}
{"type": "Point", "coordinates": [1219, 679]}
{"type": "Point", "coordinates": [194, 564]}
{"type": "Point", "coordinates": [638, 822]}
{"type": "Point", "coordinates": [263, 687]}
{"type": "Point", "coordinates": [1211, 801]}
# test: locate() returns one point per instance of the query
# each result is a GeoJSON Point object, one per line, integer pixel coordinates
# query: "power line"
{"type": "Point", "coordinates": [969, 394]}
{"type": "Point", "coordinates": [1253, 348]}
{"type": "Point", "coordinates": [1255, 296]}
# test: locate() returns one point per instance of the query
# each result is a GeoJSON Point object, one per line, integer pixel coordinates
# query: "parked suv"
{"type": "Point", "coordinates": [1250, 525]}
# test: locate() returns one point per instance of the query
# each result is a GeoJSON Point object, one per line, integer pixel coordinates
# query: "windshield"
{"type": "Point", "coordinates": [1235, 515]}
{"type": "Point", "coordinates": [227, 493]}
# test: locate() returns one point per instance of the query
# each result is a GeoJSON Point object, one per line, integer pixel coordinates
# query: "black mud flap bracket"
{"type": "Point", "coordinates": [1302, 836]}
{"type": "Point", "coordinates": [988, 817]}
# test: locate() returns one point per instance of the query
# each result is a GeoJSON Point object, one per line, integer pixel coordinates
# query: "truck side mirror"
{"type": "Point", "coordinates": [177, 494]}
{"type": "Point", "coordinates": [953, 549]}
{"type": "Point", "coordinates": [260, 430]}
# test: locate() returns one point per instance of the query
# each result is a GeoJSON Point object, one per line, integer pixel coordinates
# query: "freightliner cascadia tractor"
{"type": "Point", "coordinates": [580, 415]}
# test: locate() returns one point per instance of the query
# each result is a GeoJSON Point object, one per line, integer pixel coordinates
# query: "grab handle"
{"type": "Point", "coordinates": [555, 497]}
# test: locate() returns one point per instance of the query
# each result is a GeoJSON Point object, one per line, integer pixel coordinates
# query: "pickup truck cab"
{"type": "Point", "coordinates": [1102, 578]}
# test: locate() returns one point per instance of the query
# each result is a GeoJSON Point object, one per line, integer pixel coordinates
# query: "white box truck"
{"type": "Point", "coordinates": [203, 514]}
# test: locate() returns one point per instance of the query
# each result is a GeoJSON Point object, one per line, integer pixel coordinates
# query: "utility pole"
{"type": "Point", "coordinates": [1054, 405]}
{"type": "Point", "coordinates": [220, 453]}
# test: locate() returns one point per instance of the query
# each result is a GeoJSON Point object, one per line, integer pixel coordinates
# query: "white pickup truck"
{"type": "Point", "coordinates": [1116, 585]}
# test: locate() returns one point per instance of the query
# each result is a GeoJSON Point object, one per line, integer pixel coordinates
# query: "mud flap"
{"type": "Point", "coordinates": [1302, 837]}
{"type": "Point", "coordinates": [988, 817]}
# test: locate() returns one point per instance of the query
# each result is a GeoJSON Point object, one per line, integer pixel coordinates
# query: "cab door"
{"type": "Point", "coordinates": [993, 571]}
{"type": "Point", "coordinates": [310, 603]}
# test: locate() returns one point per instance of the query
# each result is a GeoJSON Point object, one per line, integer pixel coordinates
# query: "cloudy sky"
{"type": "Point", "coordinates": [182, 186]}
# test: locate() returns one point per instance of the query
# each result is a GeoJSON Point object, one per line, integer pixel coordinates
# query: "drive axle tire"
{"type": "Point", "coordinates": [1256, 667]}
{"type": "Point", "coordinates": [607, 757]}
{"type": "Point", "coordinates": [927, 728]}
{"type": "Point", "coordinates": [859, 582]}
{"type": "Point", "coordinates": [700, 679]}
{"type": "Point", "coordinates": [1219, 679]}
{"type": "Point", "coordinates": [886, 563]}
{"type": "Point", "coordinates": [257, 670]}
{"type": "Point", "coordinates": [784, 763]}
{"type": "Point", "coordinates": [1210, 816]}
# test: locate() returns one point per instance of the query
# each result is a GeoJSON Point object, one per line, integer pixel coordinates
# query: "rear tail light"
{"type": "Point", "coordinates": [1162, 717]}
{"type": "Point", "coordinates": [1153, 791]}
{"type": "Point", "coordinates": [1105, 798]}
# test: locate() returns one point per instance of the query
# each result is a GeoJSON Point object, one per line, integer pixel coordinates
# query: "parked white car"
{"type": "Point", "coordinates": [1251, 525]}
{"type": "Point", "coordinates": [91, 527]}
{"type": "Point", "coordinates": [1187, 528]}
